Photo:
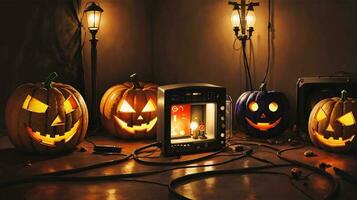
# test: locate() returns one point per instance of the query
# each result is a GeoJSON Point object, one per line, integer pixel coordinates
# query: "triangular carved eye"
{"type": "Point", "coordinates": [347, 119]}
{"type": "Point", "coordinates": [70, 105]}
{"type": "Point", "coordinates": [126, 108]}
{"type": "Point", "coordinates": [34, 105]}
{"type": "Point", "coordinates": [149, 107]}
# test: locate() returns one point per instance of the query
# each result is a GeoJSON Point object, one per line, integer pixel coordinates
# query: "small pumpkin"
{"type": "Point", "coordinates": [128, 110]}
{"type": "Point", "coordinates": [262, 113]}
{"type": "Point", "coordinates": [332, 123]}
{"type": "Point", "coordinates": [47, 117]}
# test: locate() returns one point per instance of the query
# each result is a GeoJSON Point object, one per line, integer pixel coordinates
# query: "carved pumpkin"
{"type": "Point", "coordinates": [332, 123]}
{"type": "Point", "coordinates": [262, 113]}
{"type": "Point", "coordinates": [47, 117]}
{"type": "Point", "coordinates": [129, 110]}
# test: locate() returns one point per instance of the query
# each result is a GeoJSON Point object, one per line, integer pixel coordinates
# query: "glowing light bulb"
{"type": "Point", "coordinates": [250, 18]}
{"type": "Point", "coordinates": [235, 19]}
{"type": "Point", "coordinates": [93, 20]}
{"type": "Point", "coordinates": [193, 126]}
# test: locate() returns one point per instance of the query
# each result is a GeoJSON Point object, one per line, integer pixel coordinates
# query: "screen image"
{"type": "Point", "coordinates": [193, 122]}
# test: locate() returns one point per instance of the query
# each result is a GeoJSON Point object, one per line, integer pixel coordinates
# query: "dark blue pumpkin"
{"type": "Point", "coordinates": [262, 113]}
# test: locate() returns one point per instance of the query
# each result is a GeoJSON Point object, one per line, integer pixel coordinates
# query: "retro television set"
{"type": "Point", "coordinates": [191, 118]}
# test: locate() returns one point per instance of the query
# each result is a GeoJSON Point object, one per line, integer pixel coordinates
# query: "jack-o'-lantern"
{"type": "Point", "coordinates": [47, 117]}
{"type": "Point", "coordinates": [128, 110]}
{"type": "Point", "coordinates": [332, 123]}
{"type": "Point", "coordinates": [262, 113]}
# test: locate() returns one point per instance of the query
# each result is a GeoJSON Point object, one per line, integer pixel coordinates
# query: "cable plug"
{"type": "Point", "coordinates": [324, 166]}
{"type": "Point", "coordinates": [344, 175]}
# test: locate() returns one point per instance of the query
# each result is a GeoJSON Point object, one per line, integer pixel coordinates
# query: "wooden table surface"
{"type": "Point", "coordinates": [16, 165]}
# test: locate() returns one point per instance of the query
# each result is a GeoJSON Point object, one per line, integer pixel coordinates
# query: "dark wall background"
{"type": "Point", "coordinates": [193, 42]}
{"type": "Point", "coordinates": [38, 37]}
{"type": "Point", "coordinates": [171, 41]}
{"type": "Point", "coordinates": [125, 43]}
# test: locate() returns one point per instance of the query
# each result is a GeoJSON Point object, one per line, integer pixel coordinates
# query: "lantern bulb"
{"type": "Point", "coordinates": [235, 19]}
{"type": "Point", "coordinates": [250, 17]}
{"type": "Point", "coordinates": [194, 125]}
{"type": "Point", "coordinates": [93, 18]}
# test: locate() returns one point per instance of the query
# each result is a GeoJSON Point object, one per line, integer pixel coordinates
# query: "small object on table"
{"type": "Point", "coordinates": [309, 153]}
{"type": "Point", "coordinates": [28, 164]}
{"type": "Point", "coordinates": [296, 173]}
{"type": "Point", "coordinates": [82, 149]}
{"type": "Point", "coordinates": [294, 142]}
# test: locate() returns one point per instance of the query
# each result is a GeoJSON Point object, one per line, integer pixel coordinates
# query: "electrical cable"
{"type": "Point", "coordinates": [269, 43]}
{"type": "Point", "coordinates": [248, 151]}
{"type": "Point", "coordinates": [331, 195]}
{"type": "Point", "coordinates": [46, 178]}
{"type": "Point", "coordinates": [86, 168]}
{"type": "Point", "coordinates": [245, 59]}
{"type": "Point", "coordinates": [137, 158]}
{"type": "Point", "coordinates": [184, 179]}
{"type": "Point", "coordinates": [248, 76]}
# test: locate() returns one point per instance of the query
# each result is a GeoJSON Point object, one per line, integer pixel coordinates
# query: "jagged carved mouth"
{"type": "Point", "coordinates": [132, 129]}
{"type": "Point", "coordinates": [331, 142]}
{"type": "Point", "coordinates": [48, 140]}
{"type": "Point", "coordinates": [263, 126]}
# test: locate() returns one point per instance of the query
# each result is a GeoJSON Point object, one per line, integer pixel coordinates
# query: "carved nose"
{"type": "Point", "coordinates": [330, 129]}
{"type": "Point", "coordinates": [140, 117]}
{"type": "Point", "coordinates": [263, 116]}
{"type": "Point", "coordinates": [57, 122]}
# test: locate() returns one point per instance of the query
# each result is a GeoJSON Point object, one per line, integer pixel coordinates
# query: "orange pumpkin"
{"type": "Point", "coordinates": [128, 110]}
{"type": "Point", "coordinates": [47, 117]}
{"type": "Point", "coordinates": [332, 124]}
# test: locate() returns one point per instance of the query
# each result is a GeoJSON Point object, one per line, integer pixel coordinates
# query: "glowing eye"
{"type": "Point", "coordinates": [126, 108]}
{"type": "Point", "coordinates": [70, 105]}
{"type": "Point", "coordinates": [149, 107]}
{"type": "Point", "coordinates": [320, 115]}
{"type": "Point", "coordinates": [34, 105]}
{"type": "Point", "coordinates": [347, 119]}
{"type": "Point", "coordinates": [253, 106]}
{"type": "Point", "coordinates": [273, 106]}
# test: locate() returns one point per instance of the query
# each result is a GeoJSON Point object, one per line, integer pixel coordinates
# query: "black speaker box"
{"type": "Point", "coordinates": [310, 90]}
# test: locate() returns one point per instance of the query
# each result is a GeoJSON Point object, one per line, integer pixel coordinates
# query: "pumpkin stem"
{"type": "Point", "coordinates": [263, 87]}
{"type": "Point", "coordinates": [49, 79]}
{"type": "Point", "coordinates": [134, 81]}
{"type": "Point", "coordinates": [343, 95]}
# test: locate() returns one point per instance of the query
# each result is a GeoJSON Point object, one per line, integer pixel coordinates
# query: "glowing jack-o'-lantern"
{"type": "Point", "coordinates": [262, 113]}
{"type": "Point", "coordinates": [129, 110]}
{"type": "Point", "coordinates": [332, 123]}
{"type": "Point", "coordinates": [46, 117]}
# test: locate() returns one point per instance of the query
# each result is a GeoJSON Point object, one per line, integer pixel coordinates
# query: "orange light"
{"type": "Point", "coordinates": [94, 13]}
{"type": "Point", "coordinates": [235, 19]}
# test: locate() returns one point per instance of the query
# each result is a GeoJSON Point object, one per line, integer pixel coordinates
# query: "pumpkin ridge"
{"type": "Point", "coordinates": [84, 112]}
{"type": "Point", "coordinates": [107, 95]}
{"type": "Point", "coordinates": [36, 148]}
{"type": "Point", "coordinates": [32, 148]}
{"type": "Point", "coordinates": [68, 123]}
{"type": "Point", "coordinates": [78, 139]}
